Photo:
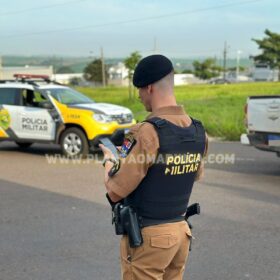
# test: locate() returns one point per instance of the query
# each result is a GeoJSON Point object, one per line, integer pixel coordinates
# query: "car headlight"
{"type": "Point", "coordinates": [102, 118]}
{"type": "Point", "coordinates": [129, 117]}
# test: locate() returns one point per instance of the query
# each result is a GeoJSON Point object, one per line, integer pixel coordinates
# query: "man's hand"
{"type": "Point", "coordinates": [106, 152]}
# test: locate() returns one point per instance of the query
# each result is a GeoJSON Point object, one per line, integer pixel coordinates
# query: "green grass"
{"type": "Point", "coordinates": [219, 107]}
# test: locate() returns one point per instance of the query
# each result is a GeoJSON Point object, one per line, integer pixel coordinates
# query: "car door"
{"type": "Point", "coordinates": [34, 122]}
{"type": "Point", "coordinates": [9, 101]}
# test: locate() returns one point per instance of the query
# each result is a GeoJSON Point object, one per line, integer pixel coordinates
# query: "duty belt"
{"type": "Point", "coordinates": [145, 222]}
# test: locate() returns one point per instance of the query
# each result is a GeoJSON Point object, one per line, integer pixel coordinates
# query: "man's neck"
{"type": "Point", "coordinates": [164, 103]}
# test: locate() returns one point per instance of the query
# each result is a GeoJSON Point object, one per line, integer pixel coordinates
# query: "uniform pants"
{"type": "Point", "coordinates": [162, 256]}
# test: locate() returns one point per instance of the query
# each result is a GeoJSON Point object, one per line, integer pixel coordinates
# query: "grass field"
{"type": "Point", "coordinates": [219, 107]}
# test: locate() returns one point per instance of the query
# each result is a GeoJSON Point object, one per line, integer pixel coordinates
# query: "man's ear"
{"type": "Point", "coordinates": [150, 89]}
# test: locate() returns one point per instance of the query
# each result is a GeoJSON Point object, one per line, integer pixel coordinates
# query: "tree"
{"type": "Point", "coordinates": [270, 46]}
{"type": "Point", "coordinates": [187, 71]}
{"type": "Point", "coordinates": [93, 71]}
{"type": "Point", "coordinates": [206, 69]}
{"type": "Point", "coordinates": [64, 69]}
{"type": "Point", "coordinates": [130, 63]}
{"type": "Point", "coordinates": [241, 69]}
{"type": "Point", "coordinates": [75, 81]}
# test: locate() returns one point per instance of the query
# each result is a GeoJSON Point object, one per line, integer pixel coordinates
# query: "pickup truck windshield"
{"type": "Point", "coordinates": [68, 96]}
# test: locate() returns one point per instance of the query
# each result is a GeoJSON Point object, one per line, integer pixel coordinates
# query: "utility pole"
{"type": "Point", "coordinates": [225, 60]}
{"type": "Point", "coordinates": [103, 68]}
{"type": "Point", "coordinates": [237, 64]}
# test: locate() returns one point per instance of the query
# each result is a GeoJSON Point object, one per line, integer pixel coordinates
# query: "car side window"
{"type": "Point", "coordinates": [32, 98]}
{"type": "Point", "coordinates": [10, 96]}
{"type": "Point", "coordinates": [27, 97]}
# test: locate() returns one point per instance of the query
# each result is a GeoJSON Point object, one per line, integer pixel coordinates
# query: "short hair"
{"type": "Point", "coordinates": [166, 84]}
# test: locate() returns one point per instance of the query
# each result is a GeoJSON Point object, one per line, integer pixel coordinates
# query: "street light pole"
{"type": "Point", "coordinates": [103, 68]}
{"type": "Point", "coordinates": [237, 64]}
{"type": "Point", "coordinates": [225, 60]}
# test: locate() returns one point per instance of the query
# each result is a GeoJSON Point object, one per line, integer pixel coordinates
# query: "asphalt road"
{"type": "Point", "coordinates": [55, 223]}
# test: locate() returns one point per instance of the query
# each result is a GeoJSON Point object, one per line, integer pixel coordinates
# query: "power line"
{"type": "Point", "coordinates": [40, 8]}
{"type": "Point", "coordinates": [134, 20]}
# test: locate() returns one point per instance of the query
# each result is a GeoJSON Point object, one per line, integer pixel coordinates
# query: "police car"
{"type": "Point", "coordinates": [35, 109]}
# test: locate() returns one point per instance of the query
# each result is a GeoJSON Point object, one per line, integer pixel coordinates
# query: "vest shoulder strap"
{"type": "Point", "coordinates": [156, 122]}
{"type": "Point", "coordinates": [200, 131]}
{"type": "Point", "coordinates": [159, 123]}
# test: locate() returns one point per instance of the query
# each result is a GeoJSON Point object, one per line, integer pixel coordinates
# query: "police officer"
{"type": "Point", "coordinates": [160, 160]}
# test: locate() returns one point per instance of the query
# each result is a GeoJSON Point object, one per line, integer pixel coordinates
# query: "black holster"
{"type": "Point", "coordinates": [192, 210]}
{"type": "Point", "coordinates": [126, 222]}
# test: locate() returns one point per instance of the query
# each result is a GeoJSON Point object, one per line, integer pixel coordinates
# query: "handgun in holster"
{"type": "Point", "coordinates": [192, 210]}
{"type": "Point", "coordinates": [126, 222]}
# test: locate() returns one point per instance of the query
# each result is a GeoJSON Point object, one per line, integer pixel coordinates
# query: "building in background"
{"type": "Point", "coordinates": [67, 79]}
{"type": "Point", "coordinates": [262, 72]}
{"type": "Point", "coordinates": [7, 73]}
{"type": "Point", "coordinates": [185, 79]}
{"type": "Point", "coordinates": [118, 75]}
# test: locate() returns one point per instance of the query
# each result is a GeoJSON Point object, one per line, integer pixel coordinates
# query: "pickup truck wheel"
{"type": "Point", "coordinates": [74, 143]}
{"type": "Point", "coordinates": [24, 145]}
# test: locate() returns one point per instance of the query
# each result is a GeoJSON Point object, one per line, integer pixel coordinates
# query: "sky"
{"type": "Point", "coordinates": [178, 29]}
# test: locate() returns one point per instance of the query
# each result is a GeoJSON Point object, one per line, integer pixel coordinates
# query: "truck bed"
{"type": "Point", "coordinates": [263, 114]}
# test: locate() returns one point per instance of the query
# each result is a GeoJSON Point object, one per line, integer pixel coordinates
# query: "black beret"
{"type": "Point", "coordinates": [151, 69]}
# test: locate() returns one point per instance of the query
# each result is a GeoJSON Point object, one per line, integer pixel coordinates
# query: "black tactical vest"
{"type": "Point", "coordinates": [165, 191]}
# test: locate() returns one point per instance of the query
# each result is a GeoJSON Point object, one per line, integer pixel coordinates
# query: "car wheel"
{"type": "Point", "coordinates": [74, 143]}
{"type": "Point", "coordinates": [24, 145]}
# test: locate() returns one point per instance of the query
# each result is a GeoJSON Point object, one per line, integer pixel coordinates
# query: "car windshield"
{"type": "Point", "coordinates": [68, 96]}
